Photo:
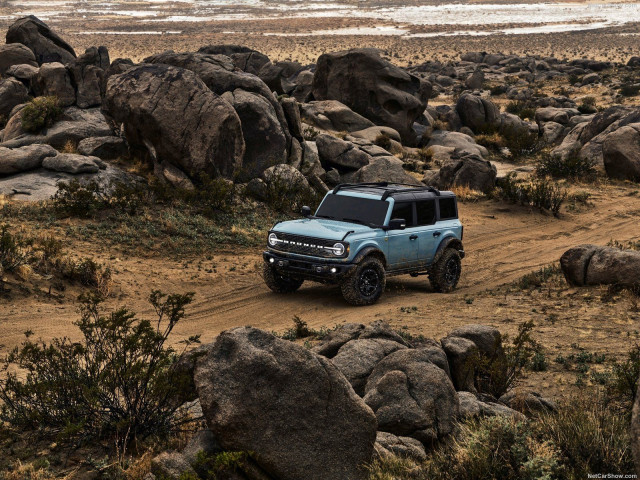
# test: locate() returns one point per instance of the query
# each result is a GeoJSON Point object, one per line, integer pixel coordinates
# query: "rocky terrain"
{"type": "Point", "coordinates": [167, 172]}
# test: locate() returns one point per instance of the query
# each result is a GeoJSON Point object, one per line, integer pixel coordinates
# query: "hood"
{"type": "Point", "coordinates": [320, 228]}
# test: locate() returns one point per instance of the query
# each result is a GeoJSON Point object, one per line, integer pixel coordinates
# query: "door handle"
{"type": "Point", "coordinates": [437, 234]}
{"type": "Point", "coordinates": [413, 237]}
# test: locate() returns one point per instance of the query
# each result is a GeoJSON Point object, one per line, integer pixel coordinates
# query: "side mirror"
{"type": "Point", "coordinates": [397, 224]}
{"type": "Point", "coordinates": [306, 212]}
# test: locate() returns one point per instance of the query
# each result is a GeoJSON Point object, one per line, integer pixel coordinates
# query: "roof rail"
{"type": "Point", "coordinates": [389, 193]}
{"type": "Point", "coordinates": [359, 185]}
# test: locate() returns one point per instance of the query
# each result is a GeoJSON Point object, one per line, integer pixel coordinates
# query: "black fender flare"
{"type": "Point", "coordinates": [368, 251]}
{"type": "Point", "coordinates": [448, 242]}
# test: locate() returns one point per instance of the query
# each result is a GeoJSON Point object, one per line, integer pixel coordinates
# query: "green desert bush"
{"type": "Point", "coordinates": [39, 113]}
{"type": "Point", "coordinates": [541, 193]}
{"type": "Point", "coordinates": [585, 436]}
{"type": "Point", "coordinates": [520, 141]}
{"type": "Point", "coordinates": [630, 90]}
{"type": "Point", "coordinates": [573, 167]}
{"type": "Point", "coordinates": [75, 199]}
{"type": "Point", "coordinates": [590, 435]}
{"type": "Point", "coordinates": [116, 383]}
{"type": "Point", "coordinates": [521, 108]}
{"type": "Point", "coordinates": [588, 105]}
{"type": "Point", "coordinates": [624, 376]}
{"type": "Point", "coordinates": [13, 250]}
{"type": "Point", "coordinates": [498, 374]}
{"type": "Point", "coordinates": [494, 448]}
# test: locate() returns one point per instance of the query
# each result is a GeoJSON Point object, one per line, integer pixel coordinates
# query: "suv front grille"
{"type": "Point", "coordinates": [315, 247]}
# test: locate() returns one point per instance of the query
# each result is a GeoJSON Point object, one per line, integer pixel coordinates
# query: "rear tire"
{"type": "Point", "coordinates": [279, 283]}
{"type": "Point", "coordinates": [365, 285]}
{"type": "Point", "coordinates": [445, 273]}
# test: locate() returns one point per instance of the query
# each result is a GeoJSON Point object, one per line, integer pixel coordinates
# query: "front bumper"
{"type": "Point", "coordinates": [317, 269]}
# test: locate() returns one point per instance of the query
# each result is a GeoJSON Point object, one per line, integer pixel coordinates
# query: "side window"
{"type": "Point", "coordinates": [426, 212]}
{"type": "Point", "coordinates": [403, 210]}
{"type": "Point", "coordinates": [448, 209]}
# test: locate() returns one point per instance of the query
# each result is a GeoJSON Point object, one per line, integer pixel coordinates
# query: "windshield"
{"type": "Point", "coordinates": [353, 209]}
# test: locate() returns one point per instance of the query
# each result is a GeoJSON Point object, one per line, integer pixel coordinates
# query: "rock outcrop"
{"type": "Point", "coordinates": [148, 99]}
{"type": "Point", "coordinates": [45, 44]}
{"type": "Point", "coordinates": [372, 87]}
{"type": "Point", "coordinates": [292, 407]}
{"type": "Point", "coordinates": [595, 265]}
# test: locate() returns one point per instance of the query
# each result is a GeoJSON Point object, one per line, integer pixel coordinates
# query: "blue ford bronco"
{"type": "Point", "coordinates": [363, 233]}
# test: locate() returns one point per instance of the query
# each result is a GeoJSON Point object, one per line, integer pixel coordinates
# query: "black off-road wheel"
{"type": "Point", "coordinates": [365, 285]}
{"type": "Point", "coordinates": [445, 273]}
{"type": "Point", "coordinates": [279, 283]}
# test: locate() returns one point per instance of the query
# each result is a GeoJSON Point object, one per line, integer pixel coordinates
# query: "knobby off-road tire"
{"type": "Point", "coordinates": [365, 285]}
{"type": "Point", "coordinates": [279, 283]}
{"type": "Point", "coordinates": [445, 273]}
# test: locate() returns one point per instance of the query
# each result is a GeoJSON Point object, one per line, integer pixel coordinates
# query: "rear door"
{"type": "Point", "coordinates": [403, 244]}
{"type": "Point", "coordinates": [428, 234]}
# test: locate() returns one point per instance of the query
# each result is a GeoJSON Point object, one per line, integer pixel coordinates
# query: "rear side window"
{"type": "Point", "coordinates": [404, 211]}
{"type": "Point", "coordinates": [448, 209]}
{"type": "Point", "coordinates": [426, 212]}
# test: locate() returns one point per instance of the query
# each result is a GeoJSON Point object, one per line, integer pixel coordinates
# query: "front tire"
{"type": "Point", "coordinates": [365, 285]}
{"type": "Point", "coordinates": [279, 283]}
{"type": "Point", "coordinates": [445, 273]}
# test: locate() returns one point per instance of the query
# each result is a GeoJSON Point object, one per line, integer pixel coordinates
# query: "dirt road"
{"type": "Point", "coordinates": [503, 242]}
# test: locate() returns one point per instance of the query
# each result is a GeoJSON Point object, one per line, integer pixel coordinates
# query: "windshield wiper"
{"type": "Point", "coordinates": [326, 216]}
{"type": "Point", "coordinates": [359, 222]}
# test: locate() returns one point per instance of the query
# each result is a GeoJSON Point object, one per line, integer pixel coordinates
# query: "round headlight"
{"type": "Point", "coordinates": [338, 249]}
{"type": "Point", "coordinates": [273, 239]}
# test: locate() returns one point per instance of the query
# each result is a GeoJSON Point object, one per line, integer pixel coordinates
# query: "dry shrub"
{"type": "Point", "coordinates": [87, 272]}
{"type": "Point", "coordinates": [466, 194]}
{"type": "Point", "coordinates": [70, 147]}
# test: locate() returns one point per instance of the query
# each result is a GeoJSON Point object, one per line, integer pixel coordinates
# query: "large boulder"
{"type": "Point", "coordinates": [291, 407]}
{"type": "Point", "coordinates": [463, 144]}
{"type": "Point", "coordinates": [554, 114]}
{"type": "Point", "coordinates": [357, 359]}
{"type": "Point", "coordinates": [45, 44]}
{"type": "Point", "coordinates": [15, 54]}
{"type": "Point", "coordinates": [467, 171]}
{"type": "Point", "coordinates": [405, 447]}
{"type": "Point", "coordinates": [411, 396]}
{"type": "Point", "coordinates": [171, 466]}
{"type": "Point", "coordinates": [333, 115]}
{"type": "Point", "coordinates": [245, 58]}
{"type": "Point", "coordinates": [74, 126]}
{"type": "Point", "coordinates": [372, 87]}
{"type": "Point", "coordinates": [266, 143]}
{"type": "Point", "coordinates": [105, 148]}
{"type": "Point", "coordinates": [477, 113]}
{"type": "Point", "coordinates": [72, 163]}
{"type": "Point", "coordinates": [461, 353]}
{"type": "Point", "coordinates": [585, 139]}
{"type": "Point", "coordinates": [467, 345]}
{"type": "Point", "coordinates": [88, 72]}
{"type": "Point", "coordinates": [53, 80]}
{"type": "Point", "coordinates": [42, 184]}
{"type": "Point", "coordinates": [382, 169]}
{"type": "Point", "coordinates": [220, 74]}
{"type": "Point", "coordinates": [595, 265]}
{"type": "Point", "coordinates": [621, 153]}
{"type": "Point", "coordinates": [24, 159]}
{"type": "Point", "coordinates": [12, 93]}
{"type": "Point", "coordinates": [148, 99]}
{"type": "Point", "coordinates": [338, 153]}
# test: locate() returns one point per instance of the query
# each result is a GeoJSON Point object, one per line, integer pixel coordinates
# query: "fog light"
{"type": "Point", "coordinates": [272, 260]}
{"type": "Point", "coordinates": [334, 270]}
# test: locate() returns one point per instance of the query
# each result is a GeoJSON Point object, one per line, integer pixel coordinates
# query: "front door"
{"type": "Point", "coordinates": [403, 244]}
